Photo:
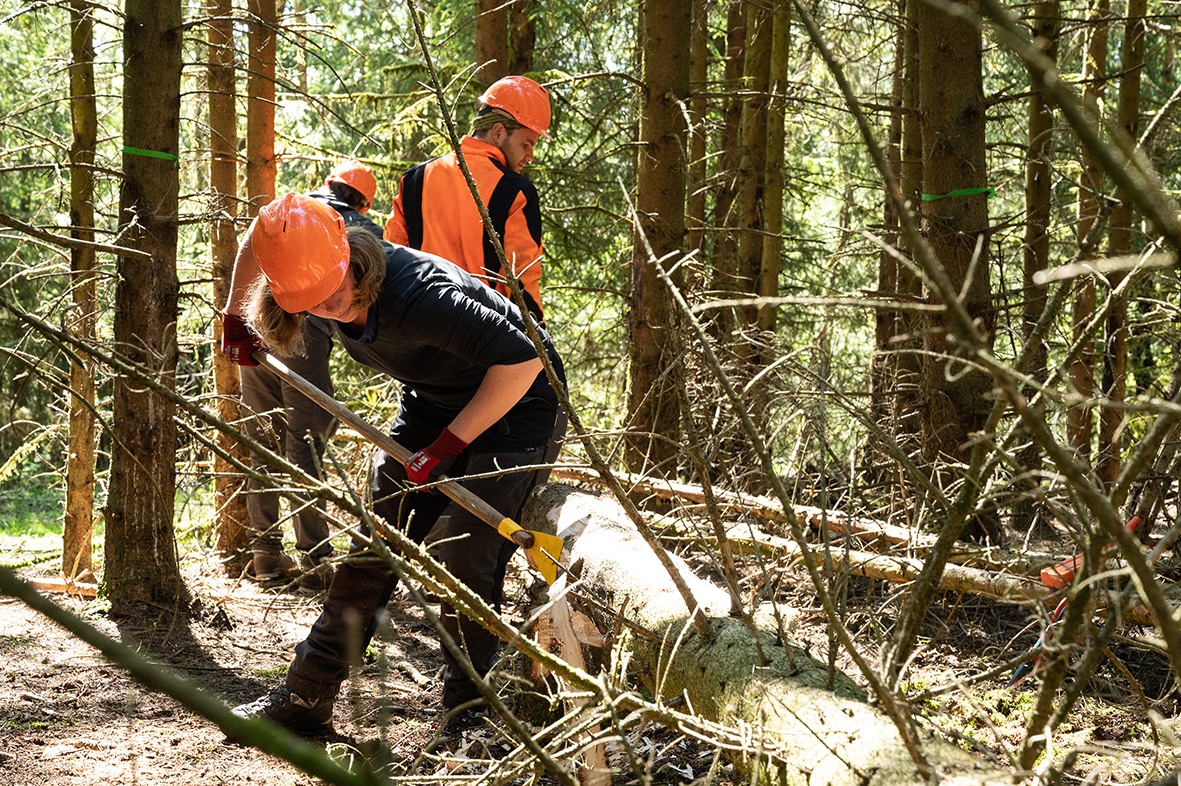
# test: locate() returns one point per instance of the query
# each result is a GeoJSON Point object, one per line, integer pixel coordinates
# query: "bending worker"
{"type": "Point", "coordinates": [283, 419]}
{"type": "Point", "coordinates": [434, 210]}
{"type": "Point", "coordinates": [475, 401]}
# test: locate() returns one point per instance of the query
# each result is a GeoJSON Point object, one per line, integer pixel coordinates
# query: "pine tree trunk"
{"type": "Point", "coordinates": [522, 36]}
{"type": "Point", "coordinates": [748, 345]}
{"type": "Point", "coordinates": [491, 40]}
{"type": "Point", "coordinates": [698, 129]}
{"type": "Point", "coordinates": [955, 213]}
{"type": "Point", "coordinates": [908, 341]}
{"type": "Point", "coordinates": [233, 535]}
{"type": "Point", "coordinates": [1080, 418]}
{"type": "Point", "coordinates": [141, 562]}
{"type": "Point", "coordinates": [78, 527]}
{"type": "Point", "coordinates": [1115, 355]}
{"type": "Point", "coordinates": [883, 363]}
{"type": "Point", "coordinates": [752, 172]}
{"type": "Point", "coordinates": [260, 104]}
{"type": "Point", "coordinates": [895, 365]}
{"type": "Point", "coordinates": [653, 404]}
{"type": "Point", "coordinates": [725, 248]}
{"type": "Point", "coordinates": [1039, 159]}
{"type": "Point", "coordinates": [772, 245]}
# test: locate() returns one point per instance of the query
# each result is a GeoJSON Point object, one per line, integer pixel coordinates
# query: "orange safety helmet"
{"type": "Point", "coordinates": [356, 175]}
{"type": "Point", "coordinates": [301, 246]}
{"type": "Point", "coordinates": [524, 99]}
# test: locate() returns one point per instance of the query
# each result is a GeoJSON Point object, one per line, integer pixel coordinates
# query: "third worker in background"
{"type": "Point", "coordinates": [434, 210]}
{"type": "Point", "coordinates": [284, 419]}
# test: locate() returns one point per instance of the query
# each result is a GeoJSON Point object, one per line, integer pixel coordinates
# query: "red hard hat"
{"type": "Point", "coordinates": [356, 175]}
{"type": "Point", "coordinates": [524, 99]}
{"type": "Point", "coordinates": [301, 246]}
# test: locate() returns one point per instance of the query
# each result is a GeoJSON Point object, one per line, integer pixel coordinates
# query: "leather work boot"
{"type": "Point", "coordinates": [465, 719]}
{"type": "Point", "coordinates": [316, 573]}
{"type": "Point", "coordinates": [290, 710]}
{"type": "Point", "coordinates": [271, 569]}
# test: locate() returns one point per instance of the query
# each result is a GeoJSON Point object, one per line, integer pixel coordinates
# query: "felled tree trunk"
{"type": "Point", "coordinates": [812, 732]}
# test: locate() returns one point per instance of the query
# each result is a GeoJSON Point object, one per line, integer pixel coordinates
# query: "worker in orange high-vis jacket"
{"type": "Point", "coordinates": [282, 418]}
{"type": "Point", "coordinates": [434, 210]}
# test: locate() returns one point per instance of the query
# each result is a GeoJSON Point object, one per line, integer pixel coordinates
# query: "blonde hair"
{"type": "Point", "coordinates": [367, 261]}
{"type": "Point", "coordinates": [282, 331]}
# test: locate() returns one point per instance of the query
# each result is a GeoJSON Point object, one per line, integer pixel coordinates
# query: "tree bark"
{"type": "Point", "coordinates": [1039, 157]}
{"type": "Point", "coordinates": [491, 40]}
{"type": "Point", "coordinates": [955, 211]}
{"type": "Point", "coordinates": [772, 242]}
{"type": "Point", "coordinates": [883, 362]}
{"type": "Point", "coordinates": [752, 171]}
{"type": "Point", "coordinates": [698, 128]}
{"type": "Point", "coordinates": [725, 251]}
{"type": "Point", "coordinates": [908, 341]}
{"type": "Point", "coordinates": [141, 562]}
{"type": "Point", "coordinates": [522, 34]}
{"type": "Point", "coordinates": [1080, 417]}
{"type": "Point", "coordinates": [260, 104]}
{"type": "Point", "coordinates": [233, 535]}
{"type": "Point", "coordinates": [956, 223]}
{"type": "Point", "coordinates": [1115, 355]}
{"type": "Point", "coordinates": [805, 727]}
{"type": "Point", "coordinates": [653, 404]}
{"type": "Point", "coordinates": [78, 527]}
{"type": "Point", "coordinates": [895, 364]}
{"type": "Point", "coordinates": [746, 344]}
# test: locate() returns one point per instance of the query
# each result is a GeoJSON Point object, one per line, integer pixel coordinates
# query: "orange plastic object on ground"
{"type": "Point", "coordinates": [1058, 576]}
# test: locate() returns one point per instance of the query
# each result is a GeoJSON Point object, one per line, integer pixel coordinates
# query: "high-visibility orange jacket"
{"type": "Point", "coordinates": [434, 211]}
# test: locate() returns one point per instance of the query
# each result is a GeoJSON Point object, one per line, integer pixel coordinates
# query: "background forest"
{"type": "Point", "coordinates": [910, 262]}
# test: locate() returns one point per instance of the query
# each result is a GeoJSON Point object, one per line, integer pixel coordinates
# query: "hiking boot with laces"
{"type": "Point", "coordinates": [316, 573]}
{"type": "Point", "coordinates": [270, 569]}
{"type": "Point", "coordinates": [467, 718]}
{"type": "Point", "coordinates": [290, 710]}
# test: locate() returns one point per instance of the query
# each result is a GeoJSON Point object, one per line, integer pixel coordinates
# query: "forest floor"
{"type": "Point", "coordinates": [68, 717]}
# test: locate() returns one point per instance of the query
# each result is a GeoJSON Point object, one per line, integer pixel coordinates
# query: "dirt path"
{"type": "Point", "coordinates": [68, 717]}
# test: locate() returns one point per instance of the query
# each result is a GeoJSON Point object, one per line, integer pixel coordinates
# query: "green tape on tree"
{"type": "Point", "coordinates": [139, 151]}
{"type": "Point", "coordinates": [988, 192]}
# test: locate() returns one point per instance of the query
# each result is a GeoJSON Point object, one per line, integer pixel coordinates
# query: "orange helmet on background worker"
{"type": "Point", "coordinates": [523, 99]}
{"type": "Point", "coordinates": [301, 246]}
{"type": "Point", "coordinates": [357, 176]}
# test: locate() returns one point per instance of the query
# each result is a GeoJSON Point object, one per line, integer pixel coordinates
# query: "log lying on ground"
{"type": "Point", "coordinates": [80, 589]}
{"type": "Point", "coordinates": [867, 530]}
{"type": "Point", "coordinates": [955, 578]}
{"type": "Point", "coordinates": [815, 733]}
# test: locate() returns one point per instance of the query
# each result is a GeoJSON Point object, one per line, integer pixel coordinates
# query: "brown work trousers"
{"type": "Point", "coordinates": [292, 425]}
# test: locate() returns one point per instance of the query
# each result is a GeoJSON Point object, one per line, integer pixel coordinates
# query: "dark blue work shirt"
{"type": "Point", "coordinates": [437, 330]}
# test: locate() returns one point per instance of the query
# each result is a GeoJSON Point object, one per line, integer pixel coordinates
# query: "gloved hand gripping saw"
{"type": "Point", "coordinates": [542, 549]}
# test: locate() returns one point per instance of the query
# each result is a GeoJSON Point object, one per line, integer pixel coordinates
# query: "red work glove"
{"type": "Point", "coordinates": [435, 459]}
{"type": "Point", "coordinates": [238, 341]}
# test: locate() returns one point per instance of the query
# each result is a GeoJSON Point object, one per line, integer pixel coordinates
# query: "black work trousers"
{"type": "Point", "coordinates": [472, 551]}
